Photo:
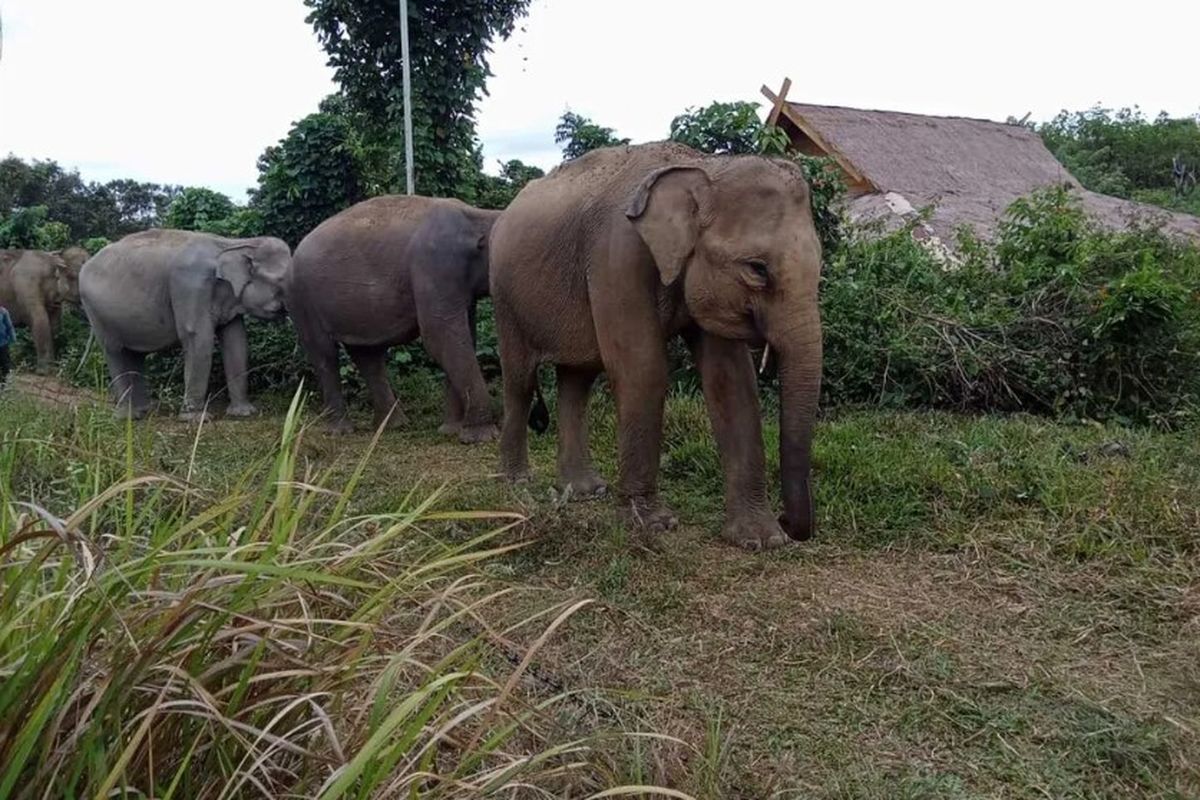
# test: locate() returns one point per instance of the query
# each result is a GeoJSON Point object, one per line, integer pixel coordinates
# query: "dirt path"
{"type": "Point", "coordinates": [51, 391]}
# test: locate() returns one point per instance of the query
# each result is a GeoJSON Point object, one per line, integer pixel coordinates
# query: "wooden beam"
{"type": "Point", "coordinates": [777, 102]}
{"type": "Point", "coordinates": [780, 107]}
{"type": "Point", "coordinates": [811, 132]}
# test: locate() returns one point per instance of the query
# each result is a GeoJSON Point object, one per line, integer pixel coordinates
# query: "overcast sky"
{"type": "Point", "coordinates": [188, 92]}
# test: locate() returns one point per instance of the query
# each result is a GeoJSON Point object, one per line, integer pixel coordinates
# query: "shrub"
{"type": "Point", "coordinates": [1058, 317]}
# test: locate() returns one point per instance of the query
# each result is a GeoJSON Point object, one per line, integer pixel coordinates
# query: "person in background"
{"type": "Point", "coordinates": [7, 336]}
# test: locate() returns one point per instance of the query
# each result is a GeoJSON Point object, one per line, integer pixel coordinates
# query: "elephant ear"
{"type": "Point", "coordinates": [668, 210]}
{"type": "Point", "coordinates": [235, 267]}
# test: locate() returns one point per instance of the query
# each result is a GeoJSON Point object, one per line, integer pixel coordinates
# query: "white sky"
{"type": "Point", "coordinates": [192, 91]}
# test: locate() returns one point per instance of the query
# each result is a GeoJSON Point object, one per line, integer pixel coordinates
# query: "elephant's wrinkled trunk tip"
{"type": "Point", "coordinates": [799, 386]}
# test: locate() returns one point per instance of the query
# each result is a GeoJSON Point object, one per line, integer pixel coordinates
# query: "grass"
{"type": "Point", "coordinates": [994, 607]}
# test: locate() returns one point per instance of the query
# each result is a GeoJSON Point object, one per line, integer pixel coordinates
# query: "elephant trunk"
{"type": "Point", "coordinates": [799, 359]}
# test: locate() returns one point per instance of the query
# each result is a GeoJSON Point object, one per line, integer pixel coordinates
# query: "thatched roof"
{"type": "Point", "coordinates": [970, 169]}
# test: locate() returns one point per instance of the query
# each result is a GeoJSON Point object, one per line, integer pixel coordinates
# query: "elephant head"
{"type": "Point", "coordinates": [67, 264]}
{"type": "Point", "coordinates": [739, 233]}
{"type": "Point", "coordinates": [256, 270]}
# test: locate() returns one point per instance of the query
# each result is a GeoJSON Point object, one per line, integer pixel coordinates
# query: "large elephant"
{"type": "Point", "coordinates": [382, 273]}
{"type": "Point", "coordinates": [34, 286]}
{"type": "Point", "coordinates": [597, 265]}
{"type": "Point", "coordinates": [158, 288]}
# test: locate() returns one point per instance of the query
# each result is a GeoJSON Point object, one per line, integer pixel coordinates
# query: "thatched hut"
{"type": "Point", "coordinates": [969, 170]}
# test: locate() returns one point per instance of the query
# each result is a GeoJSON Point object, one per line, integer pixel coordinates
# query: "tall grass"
{"type": "Point", "coordinates": [162, 639]}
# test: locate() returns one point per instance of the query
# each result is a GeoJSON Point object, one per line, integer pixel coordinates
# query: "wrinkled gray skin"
{"type": "Point", "coordinates": [597, 265]}
{"type": "Point", "coordinates": [382, 273]}
{"type": "Point", "coordinates": [155, 289]}
{"type": "Point", "coordinates": [34, 286]}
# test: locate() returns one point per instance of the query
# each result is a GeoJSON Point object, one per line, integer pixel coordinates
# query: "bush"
{"type": "Point", "coordinates": [196, 208]}
{"type": "Point", "coordinates": [1057, 317]}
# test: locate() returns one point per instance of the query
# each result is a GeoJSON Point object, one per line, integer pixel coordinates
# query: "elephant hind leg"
{"type": "Point", "coordinates": [575, 471]}
{"type": "Point", "coordinates": [372, 365]}
{"type": "Point", "coordinates": [322, 353]}
{"type": "Point", "coordinates": [518, 366]}
{"type": "Point", "coordinates": [128, 384]}
{"type": "Point", "coordinates": [452, 420]}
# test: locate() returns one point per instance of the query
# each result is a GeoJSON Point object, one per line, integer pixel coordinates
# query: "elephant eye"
{"type": "Point", "coordinates": [758, 267]}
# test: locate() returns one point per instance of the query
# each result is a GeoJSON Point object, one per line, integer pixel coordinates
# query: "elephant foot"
{"type": "Point", "coordinates": [584, 484]}
{"type": "Point", "coordinates": [340, 426]}
{"type": "Point", "coordinates": [241, 410]}
{"type": "Point", "coordinates": [125, 412]}
{"type": "Point", "coordinates": [199, 416]}
{"type": "Point", "coordinates": [518, 475]}
{"type": "Point", "coordinates": [44, 369]}
{"type": "Point", "coordinates": [449, 428]}
{"type": "Point", "coordinates": [477, 434]}
{"type": "Point", "coordinates": [754, 532]}
{"type": "Point", "coordinates": [651, 516]}
{"type": "Point", "coordinates": [398, 419]}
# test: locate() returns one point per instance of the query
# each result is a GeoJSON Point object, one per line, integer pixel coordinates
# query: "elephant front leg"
{"type": "Point", "coordinates": [372, 365]}
{"type": "Point", "coordinates": [235, 353]}
{"type": "Point", "coordinates": [197, 366]}
{"type": "Point", "coordinates": [43, 335]}
{"type": "Point", "coordinates": [731, 395]}
{"type": "Point", "coordinates": [450, 343]}
{"type": "Point", "coordinates": [128, 386]}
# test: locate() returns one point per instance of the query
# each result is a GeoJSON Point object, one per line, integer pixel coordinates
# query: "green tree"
{"type": "Point", "coordinates": [720, 128]}
{"type": "Point", "coordinates": [112, 209]}
{"type": "Point", "coordinates": [308, 177]}
{"type": "Point", "coordinates": [449, 43]}
{"type": "Point", "coordinates": [578, 135]}
{"type": "Point", "coordinates": [197, 208]}
{"type": "Point", "coordinates": [499, 190]}
{"type": "Point", "coordinates": [1121, 152]}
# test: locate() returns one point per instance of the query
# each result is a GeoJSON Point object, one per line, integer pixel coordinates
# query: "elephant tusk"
{"type": "Point", "coordinates": [766, 352]}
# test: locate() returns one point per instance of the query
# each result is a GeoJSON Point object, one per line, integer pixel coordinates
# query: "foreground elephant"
{"type": "Point", "coordinates": [380, 274]}
{"type": "Point", "coordinates": [154, 289]}
{"type": "Point", "coordinates": [34, 286]}
{"type": "Point", "coordinates": [597, 265]}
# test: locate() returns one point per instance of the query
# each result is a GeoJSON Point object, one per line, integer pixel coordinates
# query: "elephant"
{"type": "Point", "coordinates": [154, 289]}
{"type": "Point", "coordinates": [382, 273]}
{"type": "Point", "coordinates": [34, 286]}
{"type": "Point", "coordinates": [597, 265]}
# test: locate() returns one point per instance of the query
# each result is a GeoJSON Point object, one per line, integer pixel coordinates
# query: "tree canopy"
{"type": "Point", "coordinates": [449, 43]}
{"type": "Point", "coordinates": [578, 134]}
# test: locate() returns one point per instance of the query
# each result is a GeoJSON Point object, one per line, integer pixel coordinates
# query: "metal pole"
{"type": "Point", "coordinates": [408, 142]}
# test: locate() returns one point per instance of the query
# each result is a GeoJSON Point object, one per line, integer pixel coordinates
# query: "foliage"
{"type": "Point", "coordinates": [498, 191]}
{"type": "Point", "coordinates": [195, 208]}
{"type": "Point", "coordinates": [308, 177]}
{"type": "Point", "coordinates": [95, 244]}
{"type": "Point", "coordinates": [1121, 152]}
{"type": "Point", "coordinates": [1057, 317]}
{"type": "Point", "coordinates": [112, 209]}
{"type": "Point", "coordinates": [449, 43]}
{"type": "Point", "coordinates": [721, 128]}
{"type": "Point", "coordinates": [578, 135]}
{"type": "Point", "coordinates": [19, 230]}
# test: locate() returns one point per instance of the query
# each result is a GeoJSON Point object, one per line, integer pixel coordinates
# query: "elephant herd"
{"type": "Point", "coordinates": [593, 268]}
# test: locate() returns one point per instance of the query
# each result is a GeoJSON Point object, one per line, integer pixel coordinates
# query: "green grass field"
{"type": "Point", "coordinates": [995, 607]}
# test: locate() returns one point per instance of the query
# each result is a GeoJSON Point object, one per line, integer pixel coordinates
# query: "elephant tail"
{"type": "Point", "coordinates": [539, 416]}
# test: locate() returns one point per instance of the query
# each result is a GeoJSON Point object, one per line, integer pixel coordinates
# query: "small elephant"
{"type": "Point", "coordinates": [34, 286]}
{"type": "Point", "coordinates": [597, 265]}
{"type": "Point", "coordinates": [158, 288]}
{"type": "Point", "coordinates": [382, 273]}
